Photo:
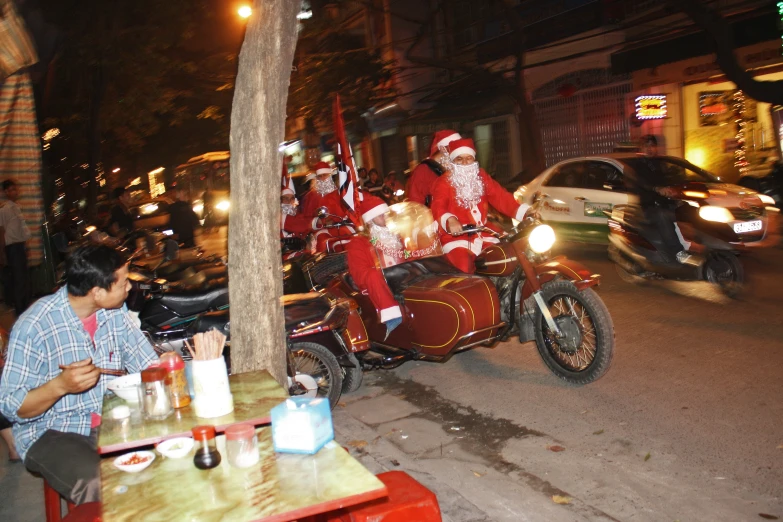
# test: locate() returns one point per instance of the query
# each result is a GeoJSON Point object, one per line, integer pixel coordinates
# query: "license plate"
{"type": "Point", "coordinates": [748, 226]}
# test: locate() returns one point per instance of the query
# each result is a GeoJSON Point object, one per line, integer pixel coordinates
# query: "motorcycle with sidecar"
{"type": "Point", "coordinates": [518, 289]}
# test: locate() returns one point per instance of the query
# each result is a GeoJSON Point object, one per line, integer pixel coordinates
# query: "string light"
{"type": "Point", "coordinates": [740, 155]}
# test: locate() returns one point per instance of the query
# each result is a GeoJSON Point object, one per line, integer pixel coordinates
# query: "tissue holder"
{"type": "Point", "coordinates": [301, 425]}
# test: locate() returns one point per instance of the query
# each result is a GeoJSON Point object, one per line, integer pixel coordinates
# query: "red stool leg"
{"type": "Point", "coordinates": [89, 512]}
{"type": "Point", "coordinates": [52, 504]}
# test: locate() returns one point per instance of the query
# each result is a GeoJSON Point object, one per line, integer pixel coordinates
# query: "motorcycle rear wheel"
{"type": "Point", "coordinates": [352, 377]}
{"type": "Point", "coordinates": [574, 309]}
{"type": "Point", "coordinates": [319, 363]}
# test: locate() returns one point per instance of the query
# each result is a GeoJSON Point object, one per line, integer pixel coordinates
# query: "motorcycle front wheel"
{"type": "Point", "coordinates": [585, 350]}
{"type": "Point", "coordinates": [318, 362]}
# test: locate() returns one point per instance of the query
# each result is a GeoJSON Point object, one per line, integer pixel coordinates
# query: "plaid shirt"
{"type": "Point", "coordinates": [49, 334]}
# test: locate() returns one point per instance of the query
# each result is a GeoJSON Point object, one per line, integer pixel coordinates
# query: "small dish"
{"type": "Point", "coordinates": [126, 387]}
{"type": "Point", "coordinates": [135, 461]}
{"type": "Point", "coordinates": [175, 448]}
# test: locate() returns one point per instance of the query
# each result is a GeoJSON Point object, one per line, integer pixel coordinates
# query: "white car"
{"type": "Point", "coordinates": [576, 192]}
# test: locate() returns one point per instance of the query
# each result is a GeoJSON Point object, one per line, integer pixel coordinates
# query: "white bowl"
{"type": "Point", "coordinates": [175, 448]}
{"type": "Point", "coordinates": [126, 387]}
{"type": "Point", "coordinates": [148, 457]}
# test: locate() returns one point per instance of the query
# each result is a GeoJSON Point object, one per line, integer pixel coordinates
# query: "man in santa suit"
{"type": "Point", "coordinates": [428, 171]}
{"type": "Point", "coordinates": [364, 264]}
{"type": "Point", "coordinates": [323, 193]}
{"type": "Point", "coordinates": [292, 223]}
{"type": "Point", "coordinates": [462, 197]}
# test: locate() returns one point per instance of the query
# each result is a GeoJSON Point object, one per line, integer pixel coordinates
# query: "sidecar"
{"type": "Point", "coordinates": [444, 310]}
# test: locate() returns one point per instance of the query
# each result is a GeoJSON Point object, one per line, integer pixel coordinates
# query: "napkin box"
{"type": "Point", "coordinates": [301, 425]}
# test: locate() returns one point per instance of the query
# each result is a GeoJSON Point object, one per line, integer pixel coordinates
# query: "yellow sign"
{"type": "Point", "coordinates": [651, 107]}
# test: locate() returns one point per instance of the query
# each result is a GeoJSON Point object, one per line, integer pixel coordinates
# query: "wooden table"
{"type": "Point", "coordinates": [281, 487]}
{"type": "Point", "coordinates": [255, 394]}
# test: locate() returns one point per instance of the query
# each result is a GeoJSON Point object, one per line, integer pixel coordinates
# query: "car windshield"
{"type": "Point", "coordinates": [410, 233]}
{"type": "Point", "coordinates": [665, 171]}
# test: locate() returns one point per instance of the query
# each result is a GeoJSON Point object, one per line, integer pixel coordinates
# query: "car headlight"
{"type": "Point", "coordinates": [223, 205]}
{"type": "Point", "coordinates": [541, 239]}
{"type": "Point", "coordinates": [198, 208]}
{"type": "Point", "coordinates": [766, 199]}
{"type": "Point", "coordinates": [717, 214]}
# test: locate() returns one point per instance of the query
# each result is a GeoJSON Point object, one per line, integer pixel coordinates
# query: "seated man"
{"type": "Point", "coordinates": [292, 222]}
{"type": "Point", "coordinates": [53, 385]}
{"type": "Point", "coordinates": [363, 263]}
{"type": "Point", "coordinates": [462, 197]}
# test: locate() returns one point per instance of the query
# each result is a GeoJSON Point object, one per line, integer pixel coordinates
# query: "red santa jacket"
{"type": "Point", "coordinates": [364, 268]}
{"type": "Point", "coordinates": [295, 226]}
{"type": "Point", "coordinates": [422, 181]}
{"type": "Point", "coordinates": [313, 201]}
{"type": "Point", "coordinates": [444, 206]}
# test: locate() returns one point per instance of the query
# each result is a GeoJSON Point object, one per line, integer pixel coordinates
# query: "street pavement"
{"type": "Point", "coordinates": [686, 425]}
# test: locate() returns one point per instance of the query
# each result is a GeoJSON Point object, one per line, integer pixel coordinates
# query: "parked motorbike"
{"type": "Point", "coordinates": [518, 289]}
{"type": "Point", "coordinates": [637, 253]}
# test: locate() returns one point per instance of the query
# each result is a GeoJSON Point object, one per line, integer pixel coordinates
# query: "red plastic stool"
{"type": "Point", "coordinates": [408, 501]}
{"type": "Point", "coordinates": [89, 512]}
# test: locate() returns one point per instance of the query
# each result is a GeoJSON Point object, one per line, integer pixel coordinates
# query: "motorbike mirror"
{"type": "Point", "coordinates": [323, 212]}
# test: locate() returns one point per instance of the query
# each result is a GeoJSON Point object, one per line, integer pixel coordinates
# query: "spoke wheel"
{"type": "Point", "coordinates": [318, 362]}
{"type": "Point", "coordinates": [584, 351]}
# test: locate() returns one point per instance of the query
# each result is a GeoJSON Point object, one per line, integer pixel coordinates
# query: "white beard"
{"type": "Point", "coordinates": [444, 160]}
{"type": "Point", "coordinates": [384, 239]}
{"type": "Point", "coordinates": [467, 184]}
{"type": "Point", "coordinates": [326, 186]}
{"type": "Point", "coordinates": [288, 209]}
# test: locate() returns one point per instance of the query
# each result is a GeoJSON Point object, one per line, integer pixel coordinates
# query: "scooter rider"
{"type": "Point", "coordinates": [428, 171]}
{"type": "Point", "coordinates": [363, 264]}
{"type": "Point", "coordinates": [658, 207]}
{"type": "Point", "coordinates": [292, 223]}
{"type": "Point", "coordinates": [462, 197]}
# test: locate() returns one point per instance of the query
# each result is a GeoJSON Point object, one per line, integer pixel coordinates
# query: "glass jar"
{"type": "Point", "coordinates": [242, 445]}
{"type": "Point", "coordinates": [155, 400]}
{"type": "Point", "coordinates": [207, 456]}
{"type": "Point", "coordinates": [175, 366]}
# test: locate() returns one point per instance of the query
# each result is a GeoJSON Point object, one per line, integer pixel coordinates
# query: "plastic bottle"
{"type": "Point", "coordinates": [178, 383]}
{"type": "Point", "coordinates": [207, 456]}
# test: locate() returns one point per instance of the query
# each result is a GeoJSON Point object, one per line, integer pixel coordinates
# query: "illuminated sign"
{"type": "Point", "coordinates": [715, 107]}
{"type": "Point", "coordinates": [651, 107]}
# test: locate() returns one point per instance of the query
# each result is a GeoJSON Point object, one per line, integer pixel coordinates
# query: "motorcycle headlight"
{"type": "Point", "coordinates": [541, 239]}
{"type": "Point", "coordinates": [223, 206]}
{"type": "Point", "coordinates": [198, 208]}
{"type": "Point", "coordinates": [717, 214]}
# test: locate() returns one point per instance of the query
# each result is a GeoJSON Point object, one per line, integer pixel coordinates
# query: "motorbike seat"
{"type": "Point", "coordinates": [299, 308]}
{"type": "Point", "coordinates": [399, 277]}
{"type": "Point", "coordinates": [186, 303]}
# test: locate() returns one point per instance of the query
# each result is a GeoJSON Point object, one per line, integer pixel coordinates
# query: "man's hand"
{"type": "Point", "coordinates": [453, 226]}
{"type": "Point", "coordinates": [79, 377]}
{"type": "Point", "coordinates": [532, 213]}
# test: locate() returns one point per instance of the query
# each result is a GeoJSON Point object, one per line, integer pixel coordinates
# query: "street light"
{"type": "Point", "coordinates": [245, 11]}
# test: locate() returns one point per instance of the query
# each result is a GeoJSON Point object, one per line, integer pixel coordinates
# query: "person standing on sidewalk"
{"type": "Point", "coordinates": [16, 279]}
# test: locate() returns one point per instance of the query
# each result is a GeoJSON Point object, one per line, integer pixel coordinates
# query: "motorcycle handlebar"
{"type": "Point", "coordinates": [475, 230]}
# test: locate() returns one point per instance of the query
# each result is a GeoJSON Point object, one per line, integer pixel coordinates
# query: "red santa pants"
{"type": "Point", "coordinates": [464, 257]}
{"type": "Point", "coordinates": [369, 279]}
{"type": "Point", "coordinates": [332, 239]}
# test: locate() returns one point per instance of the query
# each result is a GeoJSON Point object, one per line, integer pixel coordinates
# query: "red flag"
{"type": "Point", "coordinates": [346, 170]}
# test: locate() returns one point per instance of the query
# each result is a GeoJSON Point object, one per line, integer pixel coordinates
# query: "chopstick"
{"type": "Point", "coordinates": [207, 346]}
{"type": "Point", "coordinates": [116, 373]}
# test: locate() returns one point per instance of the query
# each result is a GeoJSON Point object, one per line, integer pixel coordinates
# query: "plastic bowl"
{"type": "Point", "coordinates": [146, 456]}
{"type": "Point", "coordinates": [126, 387]}
{"type": "Point", "coordinates": [175, 448]}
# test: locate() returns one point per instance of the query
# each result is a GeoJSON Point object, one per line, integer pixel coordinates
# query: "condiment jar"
{"type": "Point", "coordinates": [207, 455]}
{"type": "Point", "coordinates": [155, 400]}
{"type": "Point", "coordinates": [175, 366]}
{"type": "Point", "coordinates": [242, 445]}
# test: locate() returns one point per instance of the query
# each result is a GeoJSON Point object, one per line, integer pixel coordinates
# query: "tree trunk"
{"type": "Point", "coordinates": [257, 128]}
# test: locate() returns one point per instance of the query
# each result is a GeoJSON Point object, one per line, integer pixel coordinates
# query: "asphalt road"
{"type": "Point", "coordinates": [686, 425]}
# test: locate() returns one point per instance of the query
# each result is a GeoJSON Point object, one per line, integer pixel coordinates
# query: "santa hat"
{"type": "Point", "coordinates": [460, 147]}
{"type": "Point", "coordinates": [289, 189]}
{"type": "Point", "coordinates": [322, 168]}
{"type": "Point", "coordinates": [442, 138]}
{"type": "Point", "coordinates": [371, 207]}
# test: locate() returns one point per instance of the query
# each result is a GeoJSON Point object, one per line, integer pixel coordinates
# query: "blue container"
{"type": "Point", "coordinates": [301, 425]}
